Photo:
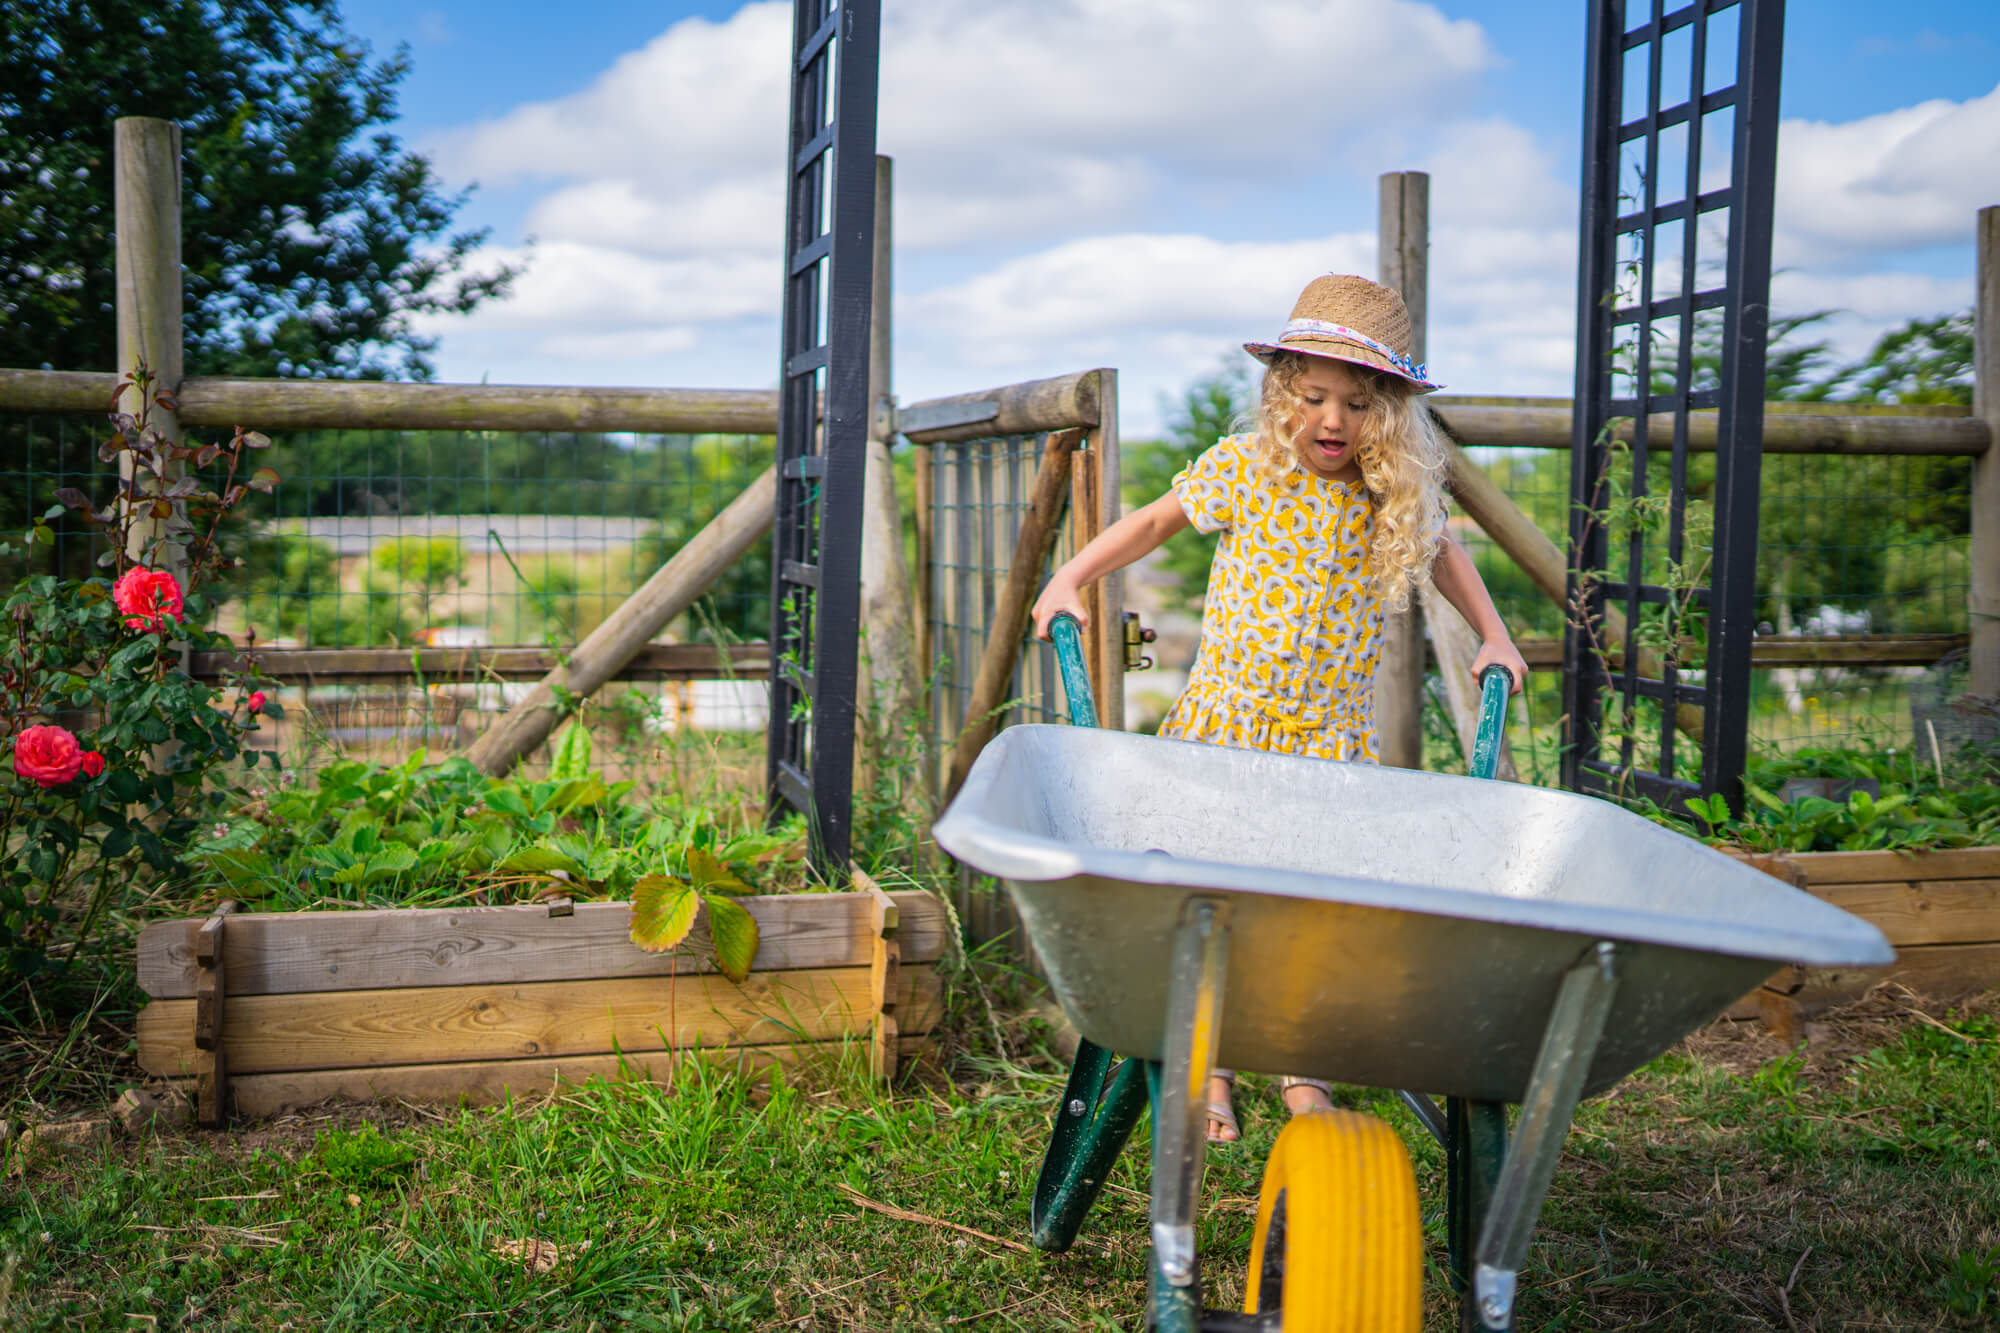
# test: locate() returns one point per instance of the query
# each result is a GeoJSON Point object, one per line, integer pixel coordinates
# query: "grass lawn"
{"type": "Point", "coordinates": [1854, 1183]}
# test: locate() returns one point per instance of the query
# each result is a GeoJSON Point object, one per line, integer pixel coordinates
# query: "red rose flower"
{"type": "Point", "coordinates": [256, 702]}
{"type": "Point", "coordinates": [147, 597]}
{"type": "Point", "coordinates": [47, 756]}
{"type": "Point", "coordinates": [93, 763]}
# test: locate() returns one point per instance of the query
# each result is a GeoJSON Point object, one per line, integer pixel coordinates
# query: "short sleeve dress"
{"type": "Point", "coordinates": [1291, 628]}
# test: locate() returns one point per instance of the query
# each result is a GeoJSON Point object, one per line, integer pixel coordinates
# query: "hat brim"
{"type": "Point", "coordinates": [1332, 350]}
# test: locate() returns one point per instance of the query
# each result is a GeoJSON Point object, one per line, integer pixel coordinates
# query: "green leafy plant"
{"type": "Point", "coordinates": [1914, 806]}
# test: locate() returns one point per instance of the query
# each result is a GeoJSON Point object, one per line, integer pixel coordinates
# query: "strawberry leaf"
{"type": "Point", "coordinates": [539, 861]}
{"type": "Point", "coordinates": [735, 934]}
{"type": "Point", "coordinates": [709, 873]}
{"type": "Point", "coordinates": [663, 911]}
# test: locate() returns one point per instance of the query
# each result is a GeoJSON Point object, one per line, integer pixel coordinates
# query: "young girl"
{"type": "Point", "coordinates": [1331, 511]}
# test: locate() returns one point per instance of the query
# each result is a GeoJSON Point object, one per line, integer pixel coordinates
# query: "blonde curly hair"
{"type": "Point", "coordinates": [1402, 462]}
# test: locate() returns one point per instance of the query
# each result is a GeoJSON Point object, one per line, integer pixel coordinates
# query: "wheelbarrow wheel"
{"type": "Point", "coordinates": [1339, 1240]}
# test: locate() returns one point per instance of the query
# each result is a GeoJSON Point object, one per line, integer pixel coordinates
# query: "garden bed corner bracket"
{"type": "Point", "coordinates": [211, 1081]}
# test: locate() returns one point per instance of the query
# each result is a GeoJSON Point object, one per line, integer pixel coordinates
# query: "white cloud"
{"type": "Point", "coordinates": [1076, 180]}
{"type": "Point", "coordinates": [1008, 118]}
{"type": "Point", "coordinates": [566, 286]}
{"type": "Point", "coordinates": [1902, 180]}
{"type": "Point", "coordinates": [1075, 294]}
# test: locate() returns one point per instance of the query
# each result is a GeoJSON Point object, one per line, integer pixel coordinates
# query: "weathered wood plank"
{"type": "Point", "coordinates": [1940, 971]}
{"type": "Point", "coordinates": [1934, 911]}
{"type": "Point", "coordinates": [1882, 867]}
{"type": "Point", "coordinates": [266, 1034]}
{"type": "Point", "coordinates": [491, 1082]}
{"type": "Point", "coordinates": [445, 666]}
{"type": "Point", "coordinates": [273, 953]}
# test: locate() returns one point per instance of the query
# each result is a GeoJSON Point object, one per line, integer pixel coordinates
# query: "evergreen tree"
{"type": "Point", "coordinates": [310, 236]}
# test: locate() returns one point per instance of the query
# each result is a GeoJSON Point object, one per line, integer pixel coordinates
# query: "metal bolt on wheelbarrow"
{"type": "Point", "coordinates": [1486, 942]}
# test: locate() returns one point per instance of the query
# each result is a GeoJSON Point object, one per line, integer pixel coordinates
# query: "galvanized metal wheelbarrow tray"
{"type": "Point", "coordinates": [1196, 906]}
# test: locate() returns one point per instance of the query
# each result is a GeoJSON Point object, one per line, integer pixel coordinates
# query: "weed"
{"type": "Point", "coordinates": [363, 1156]}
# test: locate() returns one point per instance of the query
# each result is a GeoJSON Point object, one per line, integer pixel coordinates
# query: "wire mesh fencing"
{"type": "Point", "coordinates": [981, 491]}
{"type": "Point", "coordinates": [1869, 551]}
{"type": "Point", "coordinates": [381, 541]}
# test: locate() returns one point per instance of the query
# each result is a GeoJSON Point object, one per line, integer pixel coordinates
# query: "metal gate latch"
{"type": "Point", "coordinates": [1137, 636]}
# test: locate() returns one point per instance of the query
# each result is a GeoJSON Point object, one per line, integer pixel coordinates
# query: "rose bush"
{"type": "Point", "coordinates": [114, 762]}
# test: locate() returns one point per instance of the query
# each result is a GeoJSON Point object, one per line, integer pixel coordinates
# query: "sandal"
{"type": "Point", "coordinates": [1290, 1081]}
{"type": "Point", "coordinates": [1222, 1126]}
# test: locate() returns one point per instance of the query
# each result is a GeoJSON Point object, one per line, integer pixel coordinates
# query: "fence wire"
{"type": "Point", "coordinates": [982, 490]}
{"type": "Point", "coordinates": [1849, 546]}
{"type": "Point", "coordinates": [387, 539]}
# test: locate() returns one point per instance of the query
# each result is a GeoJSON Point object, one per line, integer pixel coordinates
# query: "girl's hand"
{"type": "Point", "coordinates": [1500, 651]}
{"type": "Point", "coordinates": [1060, 595]}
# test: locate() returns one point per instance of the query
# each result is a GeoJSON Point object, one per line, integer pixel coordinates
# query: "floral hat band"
{"type": "Point", "coordinates": [1412, 370]}
{"type": "Point", "coordinates": [1347, 318]}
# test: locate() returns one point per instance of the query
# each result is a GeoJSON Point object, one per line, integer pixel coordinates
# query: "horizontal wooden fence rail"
{"type": "Point", "coordinates": [1527, 423]}
{"type": "Point", "coordinates": [1017, 409]}
{"type": "Point", "coordinates": [1855, 650]}
{"type": "Point", "coordinates": [309, 666]}
{"type": "Point", "coordinates": [480, 1003]}
{"type": "Point", "coordinates": [1789, 428]}
{"type": "Point", "coordinates": [282, 404]}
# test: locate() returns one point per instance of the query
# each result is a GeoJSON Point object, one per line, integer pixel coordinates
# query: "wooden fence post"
{"type": "Point", "coordinates": [1983, 592]}
{"type": "Point", "coordinates": [147, 202]}
{"type": "Point", "coordinates": [1403, 245]}
{"type": "Point", "coordinates": [887, 684]}
{"type": "Point", "coordinates": [1109, 606]}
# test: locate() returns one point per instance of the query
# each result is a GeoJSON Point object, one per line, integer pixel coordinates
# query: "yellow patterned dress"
{"type": "Point", "coordinates": [1291, 628]}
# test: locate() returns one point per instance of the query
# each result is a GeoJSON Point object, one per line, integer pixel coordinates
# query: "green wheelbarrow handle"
{"type": "Point", "coordinates": [1496, 683]}
{"type": "Point", "coordinates": [1068, 636]}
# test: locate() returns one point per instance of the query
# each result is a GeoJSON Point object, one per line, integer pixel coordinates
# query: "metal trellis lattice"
{"type": "Point", "coordinates": [1680, 151]}
{"type": "Point", "coordinates": [816, 556]}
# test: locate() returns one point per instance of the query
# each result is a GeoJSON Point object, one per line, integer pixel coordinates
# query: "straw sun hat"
{"type": "Point", "coordinates": [1352, 319]}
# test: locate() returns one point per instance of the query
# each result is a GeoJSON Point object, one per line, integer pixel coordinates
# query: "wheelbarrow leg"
{"type": "Point", "coordinates": [1180, 1138]}
{"type": "Point", "coordinates": [1569, 1043]}
{"type": "Point", "coordinates": [1091, 1127]}
{"type": "Point", "coordinates": [1475, 1144]}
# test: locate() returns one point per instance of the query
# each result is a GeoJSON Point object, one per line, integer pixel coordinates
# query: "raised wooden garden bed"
{"type": "Point", "coordinates": [273, 1011]}
{"type": "Point", "coordinates": [1941, 910]}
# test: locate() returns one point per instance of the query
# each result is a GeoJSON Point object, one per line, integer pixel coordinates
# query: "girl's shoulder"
{"type": "Point", "coordinates": [1233, 453]}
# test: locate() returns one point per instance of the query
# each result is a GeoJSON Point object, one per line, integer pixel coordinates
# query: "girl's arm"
{"type": "Point", "coordinates": [1458, 579]}
{"type": "Point", "coordinates": [1131, 537]}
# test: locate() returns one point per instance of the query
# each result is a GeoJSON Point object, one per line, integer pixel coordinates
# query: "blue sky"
{"type": "Point", "coordinates": [1139, 183]}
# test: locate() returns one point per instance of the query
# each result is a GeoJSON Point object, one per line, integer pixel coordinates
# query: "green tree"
{"type": "Point", "coordinates": [310, 236]}
{"type": "Point", "coordinates": [1925, 361]}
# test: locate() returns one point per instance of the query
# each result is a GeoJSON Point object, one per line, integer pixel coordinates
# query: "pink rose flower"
{"type": "Point", "coordinates": [147, 597]}
{"type": "Point", "coordinates": [47, 756]}
{"type": "Point", "coordinates": [256, 702]}
{"type": "Point", "coordinates": [93, 763]}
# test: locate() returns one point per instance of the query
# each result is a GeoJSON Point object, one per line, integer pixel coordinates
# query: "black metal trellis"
{"type": "Point", "coordinates": [1660, 338]}
{"type": "Point", "coordinates": [823, 417]}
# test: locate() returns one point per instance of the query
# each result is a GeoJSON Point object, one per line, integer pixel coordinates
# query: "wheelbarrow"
{"type": "Point", "coordinates": [1484, 942]}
